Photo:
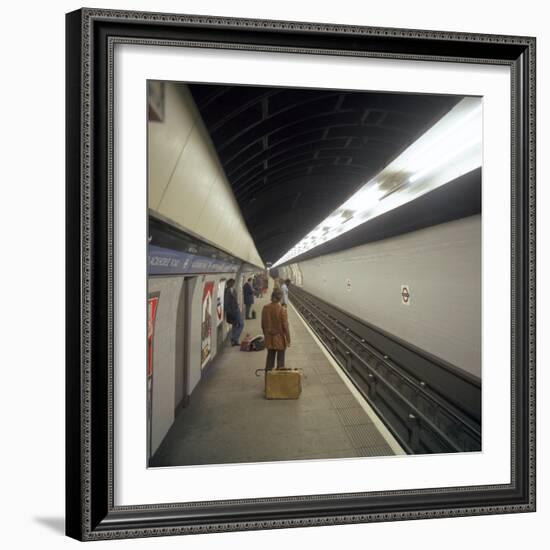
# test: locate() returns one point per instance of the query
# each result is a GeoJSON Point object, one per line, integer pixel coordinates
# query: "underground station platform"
{"type": "Point", "coordinates": [228, 420]}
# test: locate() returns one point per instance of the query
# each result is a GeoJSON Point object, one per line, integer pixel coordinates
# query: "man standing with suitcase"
{"type": "Point", "coordinates": [275, 329]}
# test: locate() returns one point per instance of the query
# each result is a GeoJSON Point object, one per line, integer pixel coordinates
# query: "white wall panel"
{"type": "Point", "coordinates": [209, 217]}
{"type": "Point", "coordinates": [442, 266]}
{"type": "Point", "coordinates": [187, 184]}
{"type": "Point", "coordinates": [185, 197]}
{"type": "Point", "coordinates": [164, 355]}
{"type": "Point", "coordinates": [193, 334]}
{"type": "Point", "coordinates": [216, 209]}
{"type": "Point", "coordinates": [167, 140]}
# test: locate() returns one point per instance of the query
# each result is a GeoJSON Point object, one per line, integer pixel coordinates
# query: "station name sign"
{"type": "Point", "coordinates": [164, 261]}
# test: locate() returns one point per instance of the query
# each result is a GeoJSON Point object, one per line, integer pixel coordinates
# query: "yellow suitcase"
{"type": "Point", "coordinates": [283, 384]}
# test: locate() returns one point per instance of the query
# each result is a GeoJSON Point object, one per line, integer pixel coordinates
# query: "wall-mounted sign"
{"type": "Point", "coordinates": [164, 261]}
{"type": "Point", "coordinates": [405, 295]}
{"type": "Point", "coordinates": [348, 285]}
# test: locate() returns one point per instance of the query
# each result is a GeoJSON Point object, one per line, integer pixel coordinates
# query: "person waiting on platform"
{"type": "Point", "coordinates": [248, 297]}
{"type": "Point", "coordinates": [257, 285]}
{"type": "Point", "coordinates": [232, 312]}
{"type": "Point", "coordinates": [275, 329]}
{"type": "Point", "coordinates": [284, 288]}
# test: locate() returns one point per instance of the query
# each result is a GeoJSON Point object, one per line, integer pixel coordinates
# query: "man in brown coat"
{"type": "Point", "coordinates": [275, 329]}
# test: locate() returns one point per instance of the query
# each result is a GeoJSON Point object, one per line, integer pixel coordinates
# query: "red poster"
{"type": "Point", "coordinates": [151, 312]}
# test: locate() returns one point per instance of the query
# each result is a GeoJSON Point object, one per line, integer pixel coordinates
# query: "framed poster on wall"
{"type": "Point", "coordinates": [207, 323]}
{"type": "Point", "coordinates": [219, 302]}
{"type": "Point", "coordinates": [111, 55]}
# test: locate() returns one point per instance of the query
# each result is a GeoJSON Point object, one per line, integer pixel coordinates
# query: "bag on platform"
{"type": "Point", "coordinates": [257, 343]}
{"type": "Point", "coordinates": [245, 343]}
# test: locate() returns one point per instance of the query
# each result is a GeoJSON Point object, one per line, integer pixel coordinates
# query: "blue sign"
{"type": "Point", "coordinates": [164, 261]}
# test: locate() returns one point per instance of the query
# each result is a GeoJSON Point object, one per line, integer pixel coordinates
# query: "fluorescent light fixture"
{"type": "Point", "coordinates": [451, 148]}
{"type": "Point", "coordinates": [455, 157]}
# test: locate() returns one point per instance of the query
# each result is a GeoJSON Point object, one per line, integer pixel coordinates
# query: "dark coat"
{"type": "Point", "coordinates": [248, 294]}
{"type": "Point", "coordinates": [275, 326]}
{"type": "Point", "coordinates": [230, 305]}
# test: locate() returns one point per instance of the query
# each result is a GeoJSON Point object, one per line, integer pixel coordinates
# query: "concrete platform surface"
{"type": "Point", "coordinates": [228, 420]}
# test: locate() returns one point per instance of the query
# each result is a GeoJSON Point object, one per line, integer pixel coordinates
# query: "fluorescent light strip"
{"type": "Point", "coordinates": [451, 148]}
{"type": "Point", "coordinates": [454, 155]}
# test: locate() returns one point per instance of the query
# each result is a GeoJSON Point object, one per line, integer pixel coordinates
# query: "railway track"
{"type": "Point", "coordinates": [432, 410]}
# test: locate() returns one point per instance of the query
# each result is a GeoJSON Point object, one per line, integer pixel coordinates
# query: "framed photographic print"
{"type": "Point", "coordinates": [300, 274]}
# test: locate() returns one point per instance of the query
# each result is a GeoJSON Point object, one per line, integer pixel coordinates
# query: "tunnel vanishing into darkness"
{"type": "Point", "coordinates": [293, 155]}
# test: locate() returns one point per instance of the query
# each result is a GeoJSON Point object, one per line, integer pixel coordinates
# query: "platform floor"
{"type": "Point", "coordinates": [228, 420]}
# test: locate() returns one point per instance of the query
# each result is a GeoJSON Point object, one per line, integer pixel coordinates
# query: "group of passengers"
{"type": "Point", "coordinates": [274, 316]}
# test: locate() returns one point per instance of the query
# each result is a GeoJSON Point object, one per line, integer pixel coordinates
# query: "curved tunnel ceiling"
{"type": "Point", "coordinates": [293, 155]}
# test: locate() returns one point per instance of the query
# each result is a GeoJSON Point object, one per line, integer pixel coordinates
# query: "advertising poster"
{"type": "Point", "coordinates": [219, 302]}
{"type": "Point", "coordinates": [206, 328]}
